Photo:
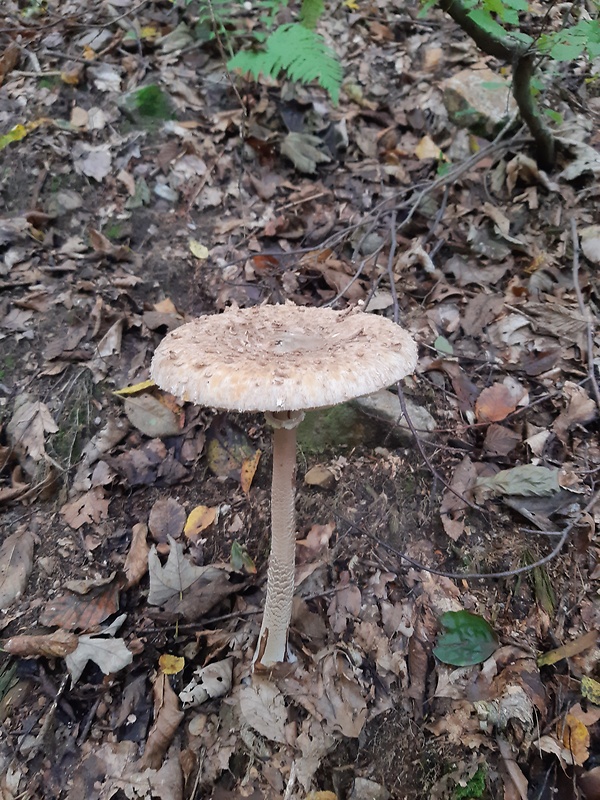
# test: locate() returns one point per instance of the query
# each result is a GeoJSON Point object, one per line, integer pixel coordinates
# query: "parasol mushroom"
{"type": "Point", "coordinates": [282, 360]}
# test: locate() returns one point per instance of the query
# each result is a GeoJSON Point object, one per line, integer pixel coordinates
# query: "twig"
{"type": "Point", "coordinates": [479, 575]}
{"type": "Point", "coordinates": [290, 782]}
{"type": "Point", "coordinates": [432, 469]}
{"type": "Point", "coordinates": [390, 271]}
{"type": "Point", "coordinates": [584, 313]}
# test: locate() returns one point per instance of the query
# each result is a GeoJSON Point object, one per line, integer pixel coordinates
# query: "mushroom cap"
{"type": "Point", "coordinates": [282, 358]}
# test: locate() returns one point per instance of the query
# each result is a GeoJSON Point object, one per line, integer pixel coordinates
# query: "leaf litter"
{"type": "Point", "coordinates": [153, 208]}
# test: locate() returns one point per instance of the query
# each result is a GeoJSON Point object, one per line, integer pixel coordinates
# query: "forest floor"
{"type": "Point", "coordinates": [147, 187]}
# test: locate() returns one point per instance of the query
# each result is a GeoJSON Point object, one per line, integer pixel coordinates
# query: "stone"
{"type": "Point", "coordinates": [385, 407]}
{"type": "Point", "coordinates": [365, 789]}
{"type": "Point", "coordinates": [479, 99]}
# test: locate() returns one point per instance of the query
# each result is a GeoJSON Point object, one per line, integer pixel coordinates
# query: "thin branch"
{"type": "Point", "coordinates": [585, 314]}
{"type": "Point", "coordinates": [480, 575]}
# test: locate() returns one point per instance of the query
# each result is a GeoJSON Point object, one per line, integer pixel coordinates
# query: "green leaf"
{"type": "Point", "coordinates": [486, 22]}
{"type": "Point", "coordinates": [468, 639]}
{"type": "Point", "coordinates": [526, 480]}
{"type": "Point", "coordinates": [425, 8]}
{"type": "Point", "coordinates": [310, 12]}
{"type": "Point", "coordinates": [240, 560]}
{"type": "Point", "coordinates": [555, 116]}
{"type": "Point", "coordinates": [300, 52]}
{"type": "Point", "coordinates": [565, 51]}
{"type": "Point", "coordinates": [442, 345]}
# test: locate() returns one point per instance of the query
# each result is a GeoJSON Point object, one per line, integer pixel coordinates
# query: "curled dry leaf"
{"type": "Point", "coordinates": [136, 563]}
{"type": "Point", "coordinates": [214, 680]}
{"type": "Point", "coordinates": [167, 717]}
{"type": "Point", "coordinates": [51, 645]}
{"type": "Point", "coordinates": [581, 409]}
{"type": "Point", "coordinates": [16, 562]}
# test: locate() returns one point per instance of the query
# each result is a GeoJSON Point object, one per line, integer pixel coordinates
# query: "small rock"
{"type": "Point", "coordinates": [590, 243]}
{"type": "Point", "coordinates": [365, 789]}
{"type": "Point", "coordinates": [385, 406]}
{"type": "Point", "coordinates": [480, 100]}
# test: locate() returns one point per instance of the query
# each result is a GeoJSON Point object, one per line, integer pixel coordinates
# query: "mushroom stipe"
{"type": "Point", "coordinates": [281, 360]}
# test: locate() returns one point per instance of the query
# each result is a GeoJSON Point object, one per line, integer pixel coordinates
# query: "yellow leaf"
{"type": "Point", "coordinates": [20, 131]}
{"type": "Point", "coordinates": [149, 32]}
{"type": "Point", "coordinates": [576, 738]}
{"type": "Point", "coordinates": [171, 665]}
{"type": "Point", "coordinates": [590, 689]}
{"type": "Point", "coordinates": [89, 53]}
{"type": "Point", "coordinates": [72, 75]}
{"type": "Point", "coordinates": [199, 519]}
{"type": "Point", "coordinates": [427, 148]}
{"type": "Point", "coordinates": [137, 387]}
{"type": "Point", "coordinates": [166, 306]}
{"type": "Point", "coordinates": [198, 250]}
{"type": "Point", "coordinates": [352, 5]}
{"type": "Point", "coordinates": [248, 470]}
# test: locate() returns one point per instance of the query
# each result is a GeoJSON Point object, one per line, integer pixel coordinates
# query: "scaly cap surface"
{"type": "Point", "coordinates": [282, 358]}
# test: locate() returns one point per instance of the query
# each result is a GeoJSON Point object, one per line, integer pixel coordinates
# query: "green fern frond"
{"type": "Point", "coordinates": [310, 12]}
{"type": "Point", "coordinates": [300, 52]}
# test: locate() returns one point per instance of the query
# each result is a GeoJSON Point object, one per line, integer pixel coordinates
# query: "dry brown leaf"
{"type": "Point", "coordinates": [30, 422]}
{"type": "Point", "coordinates": [581, 409]}
{"type": "Point", "coordinates": [498, 401]}
{"type": "Point", "coordinates": [500, 440]}
{"type": "Point", "coordinates": [248, 470]}
{"type": "Point", "coordinates": [52, 645]}
{"type": "Point", "coordinates": [576, 738]}
{"type": "Point", "coordinates": [136, 563]}
{"type": "Point", "coordinates": [16, 562]}
{"type": "Point", "coordinates": [343, 704]}
{"type": "Point", "coordinates": [167, 518]}
{"type": "Point", "coordinates": [86, 612]}
{"type": "Point", "coordinates": [518, 779]}
{"type": "Point", "coordinates": [262, 706]}
{"type": "Point", "coordinates": [86, 509]}
{"type": "Point", "coordinates": [167, 717]}
{"type": "Point", "coordinates": [152, 417]}
{"type": "Point", "coordinates": [452, 508]}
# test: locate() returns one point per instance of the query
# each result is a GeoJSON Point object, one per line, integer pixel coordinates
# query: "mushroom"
{"type": "Point", "coordinates": [283, 360]}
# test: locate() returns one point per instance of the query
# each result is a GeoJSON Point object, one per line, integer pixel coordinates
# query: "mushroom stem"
{"type": "Point", "coordinates": [272, 640]}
